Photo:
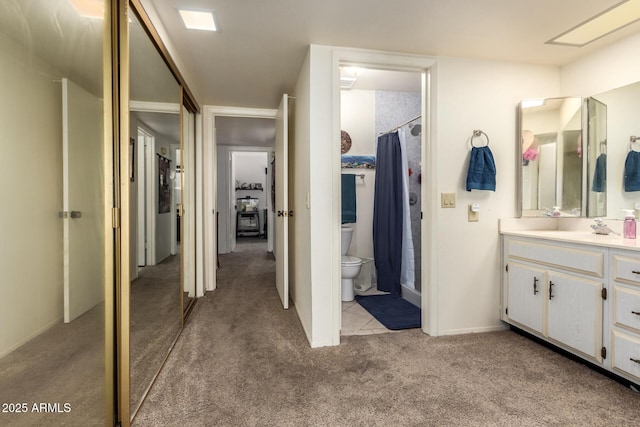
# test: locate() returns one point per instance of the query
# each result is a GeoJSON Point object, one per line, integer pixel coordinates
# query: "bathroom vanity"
{"type": "Point", "coordinates": [574, 289]}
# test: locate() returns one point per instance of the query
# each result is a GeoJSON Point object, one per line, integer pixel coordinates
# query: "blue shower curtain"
{"type": "Point", "coordinates": [387, 213]}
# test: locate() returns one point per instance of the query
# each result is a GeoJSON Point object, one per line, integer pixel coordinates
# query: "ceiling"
{"type": "Point", "coordinates": [261, 45]}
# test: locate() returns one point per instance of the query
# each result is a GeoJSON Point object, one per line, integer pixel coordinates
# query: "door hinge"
{"type": "Point", "coordinates": [506, 268]}
{"type": "Point", "coordinates": [506, 311]}
{"type": "Point", "coordinates": [603, 352]}
{"type": "Point", "coordinates": [115, 218]}
{"type": "Point", "coordinates": [421, 215]}
{"type": "Point", "coordinates": [603, 293]}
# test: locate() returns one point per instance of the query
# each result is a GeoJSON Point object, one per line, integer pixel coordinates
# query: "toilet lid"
{"type": "Point", "coordinates": [351, 260]}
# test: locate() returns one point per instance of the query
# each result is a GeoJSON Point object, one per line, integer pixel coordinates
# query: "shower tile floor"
{"type": "Point", "coordinates": [357, 321]}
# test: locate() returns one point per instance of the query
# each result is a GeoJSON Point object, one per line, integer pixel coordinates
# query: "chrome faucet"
{"type": "Point", "coordinates": [601, 228]}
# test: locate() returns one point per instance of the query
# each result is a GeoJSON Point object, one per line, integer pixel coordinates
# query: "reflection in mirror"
{"type": "Point", "coordinates": [596, 191]}
{"type": "Point", "coordinates": [186, 176]}
{"type": "Point", "coordinates": [52, 250]}
{"type": "Point", "coordinates": [623, 110]}
{"type": "Point", "coordinates": [551, 150]}
{"type": "Point", "coordinates": [156, 268]}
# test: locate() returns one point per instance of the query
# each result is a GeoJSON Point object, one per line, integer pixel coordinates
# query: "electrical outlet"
{"type": "Point", "coordinates": [448, 200]}
{"type": "Point", "coordinates": [473, 216]}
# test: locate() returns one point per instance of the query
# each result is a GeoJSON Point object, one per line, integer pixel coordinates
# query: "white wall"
{"type": "Point", "coordinates": [358, 118]}
{"type": "Point", "coordinates": [31, 242]}
{"type": "Point", "coordinates": [473, 94]}
{"type": "Point", "coordinates": [608, 68]}
{"type": "Point", "coordinates": [299, 189]}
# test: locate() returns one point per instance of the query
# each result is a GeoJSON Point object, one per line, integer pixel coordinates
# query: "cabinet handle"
{"type": "Point", "coordinates": [550, 289]}
{"type": "Point", "coordinates": [634, 360]}
{"type": "Point", "coordinates": [635, 271]}
{"type": "Point", "coordinates": [635, 312]}
{"type": "Point", "coordinates": [535, 285]}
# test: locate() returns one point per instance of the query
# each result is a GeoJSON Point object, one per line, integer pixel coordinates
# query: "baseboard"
{"type": "Point", "coordinates": [30, 337]}
{"type": "Point", "coordinates": [478, 330]}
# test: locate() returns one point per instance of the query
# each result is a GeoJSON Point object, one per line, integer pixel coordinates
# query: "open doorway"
{"type": "Point", "coordinates": [381, 143]}
{"type": "Point", "coordinates": [244, 152]}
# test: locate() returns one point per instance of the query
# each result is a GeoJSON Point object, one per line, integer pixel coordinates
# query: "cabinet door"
{"type": "Point", "coordinates": [575, 313]}
{"type": "Point", "coordinates": [527, 296]}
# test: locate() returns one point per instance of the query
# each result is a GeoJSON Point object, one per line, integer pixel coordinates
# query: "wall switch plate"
{"type": "Point", "coordinates": [474, 215]}
{"type": "Point", "coordinates": [448, 200]}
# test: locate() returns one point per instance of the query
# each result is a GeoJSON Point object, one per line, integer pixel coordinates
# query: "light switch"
{"type": "Point", "coordinates": [448, 200]}
{"type": "Point", "coordinates": [474, 212]}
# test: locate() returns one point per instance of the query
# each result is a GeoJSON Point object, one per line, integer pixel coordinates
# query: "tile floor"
{"type": "Point", "coordinates": [357, 321]}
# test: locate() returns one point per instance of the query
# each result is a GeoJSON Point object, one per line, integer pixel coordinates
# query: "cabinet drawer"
{"type": "Point", "coordinates": [626, 353]}
{"type": "Point", "coordinates": [583, 261]}
{"type": "Point", "coordinates": [626, 307]}
{"type": "Point", "coordinates": [626, 269]}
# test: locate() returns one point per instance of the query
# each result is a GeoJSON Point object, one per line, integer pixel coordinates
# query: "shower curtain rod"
{"type": "Point", "coordinates": [400, 125]}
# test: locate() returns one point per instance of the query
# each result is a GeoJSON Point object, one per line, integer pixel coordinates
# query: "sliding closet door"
{"type": "Point", "coordinates": [56, 244]}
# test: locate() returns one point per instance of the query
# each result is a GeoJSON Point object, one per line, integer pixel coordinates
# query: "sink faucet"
{"type": "Point", "coordinates": [600, 227]}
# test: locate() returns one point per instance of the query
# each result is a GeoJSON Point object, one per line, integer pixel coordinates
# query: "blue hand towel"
{"type": "Point", "coordinates": [348, 198]}
{"type": "Point", "coordinates": [481, 174]}
{"type": "Point", "coordinates": [599, 184]}
{"type": "Point", "coordinates": [632, 171]}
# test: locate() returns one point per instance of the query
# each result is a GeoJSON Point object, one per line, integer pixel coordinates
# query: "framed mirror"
{"type": "Point", "coordinates": [562, 166]}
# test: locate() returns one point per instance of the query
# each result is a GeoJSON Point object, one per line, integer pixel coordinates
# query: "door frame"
{"type": "Point", "coordinates": [210, 184]}
{"type": "Point", "coordinates": [394, 62]}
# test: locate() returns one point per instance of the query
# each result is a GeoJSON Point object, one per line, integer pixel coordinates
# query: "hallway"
{"type": "Point", "coordinates": [243, 360]}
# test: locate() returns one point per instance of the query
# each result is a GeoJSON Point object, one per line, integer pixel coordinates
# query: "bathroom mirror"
{"type": "Point", "coordinates": [622, 115]}
{"type": "Point", "coordinates": [561, 141]}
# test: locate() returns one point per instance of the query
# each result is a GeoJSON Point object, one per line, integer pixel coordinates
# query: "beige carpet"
{"type": "Point", "coordinates": [155, 322]}
{"type": "Point", "coordinates": [244, 361]}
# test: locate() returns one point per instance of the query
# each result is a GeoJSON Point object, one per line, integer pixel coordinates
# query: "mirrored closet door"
{"type": "Point", "coordinates": [56, 244]}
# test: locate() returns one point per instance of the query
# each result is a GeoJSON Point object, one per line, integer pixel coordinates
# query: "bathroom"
{"type": "Point", "coordinates": [373, 103]}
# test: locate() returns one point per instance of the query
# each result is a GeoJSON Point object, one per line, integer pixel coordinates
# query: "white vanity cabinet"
{"type": "Point", "coordinates": [555, 291]}
{"type": "Point", "coordinates": [625, 314]}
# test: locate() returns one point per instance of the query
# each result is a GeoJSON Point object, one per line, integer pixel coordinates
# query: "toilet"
{"type": "Point", "coordinates": [350, 265]}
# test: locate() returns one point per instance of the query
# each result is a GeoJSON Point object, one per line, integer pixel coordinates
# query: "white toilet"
{"type": "Point", "coordinates": [350, 265]}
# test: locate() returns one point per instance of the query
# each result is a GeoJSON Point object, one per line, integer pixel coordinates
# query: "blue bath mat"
{"type": "Point", "coordinates": [392, 311]}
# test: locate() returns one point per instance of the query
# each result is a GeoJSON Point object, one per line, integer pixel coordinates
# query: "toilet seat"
{"type": "Point", "coordinates": [351, 260]}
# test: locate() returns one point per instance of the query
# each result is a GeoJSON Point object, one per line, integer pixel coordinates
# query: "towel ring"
{"type": "Point", "coordinates": [633, 140]}
{"type": "Point", "coordinates": [478, 134]}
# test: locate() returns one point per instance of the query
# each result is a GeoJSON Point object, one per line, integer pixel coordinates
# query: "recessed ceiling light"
{"type": "Point", "coordinates": [612, 19]}
{"type": "Point", "coordinates": [198, 19]}
{"type": "Point", "coordinates": [89, 8]}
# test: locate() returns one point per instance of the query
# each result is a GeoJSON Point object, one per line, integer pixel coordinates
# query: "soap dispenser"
{"type": "Point", "coordinates": [629, 226]}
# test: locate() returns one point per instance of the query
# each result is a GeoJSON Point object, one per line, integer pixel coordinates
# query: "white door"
{"type": "Point", "coordinates": [282, 206]}
{"type": "Point", "coordinates": [83, 204]}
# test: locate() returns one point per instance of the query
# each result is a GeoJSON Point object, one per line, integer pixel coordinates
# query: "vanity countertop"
{"type": "Point", "coordinates": [566, 232]}
{"type": "Point", "coordinates": [582, 237]}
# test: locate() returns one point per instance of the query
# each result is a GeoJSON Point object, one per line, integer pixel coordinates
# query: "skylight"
{"type": "Point", "coordinates": [613, 19]}
{"type": "Point", "coordinates": [198, 19]}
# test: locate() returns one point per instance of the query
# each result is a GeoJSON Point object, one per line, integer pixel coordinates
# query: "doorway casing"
{"type": "Point", "coordinates": [393, 62]}
{"type": "Point", "coordinates": [209, 186]}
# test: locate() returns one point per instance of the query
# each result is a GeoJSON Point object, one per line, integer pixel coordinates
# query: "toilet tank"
{"type": "Point", "coordinates": [347, 232]}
